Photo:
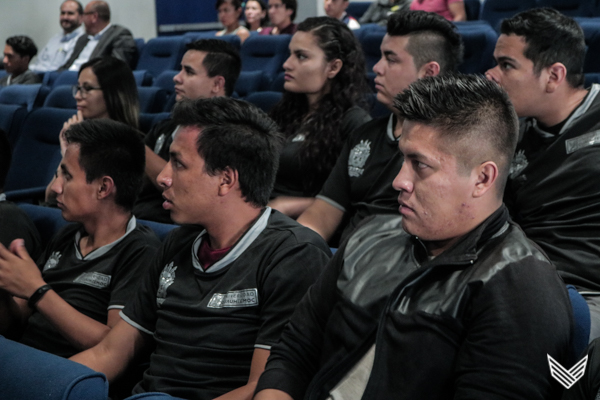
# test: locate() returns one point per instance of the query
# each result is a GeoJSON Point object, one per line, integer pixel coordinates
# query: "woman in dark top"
{"type": "Point", "coordinates": [325, 88]}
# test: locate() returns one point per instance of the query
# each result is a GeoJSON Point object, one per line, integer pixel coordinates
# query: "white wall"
{"type": "Point", "coordinates": [38, 19]}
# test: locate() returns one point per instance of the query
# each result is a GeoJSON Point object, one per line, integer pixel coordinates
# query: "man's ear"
{"type": "Point", "coordinates": [432, 68]}
{"type": "Point", "coordinates": [218, 88]}
{"type": "Point", "coordinates": [228, 181]}
{"type": "Point", "coordinates": [106, 187]}
{"type": "Point", "coordinates": [486, 176]}
{"type": "Point", "coordinates": [557, 74]}
{"type": "Point", "coordinates": [334, 67]}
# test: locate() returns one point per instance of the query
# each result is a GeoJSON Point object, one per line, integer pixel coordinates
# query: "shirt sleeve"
{"type": "Point", "coordinates": [295, 359]}
{"type": "Point", "coordinates": [336, 190]}
{"type": "Point", "coordinates": [508, 339]}
{"type": "Point", "coordinates": [134, 261]}
{"type": "Point", "coordinates": [293, 270]}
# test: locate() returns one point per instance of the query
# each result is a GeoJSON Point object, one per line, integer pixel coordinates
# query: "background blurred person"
{"type": "Point", "coordinates": [452, 10]}
{"type": "Point", "coordinates": [281, 14]}
{"type": "Point", "coordinates": [229, 12]}
{"type": "Point", "coordinates": [256, 15]}
{"type": "Point", "coordinates": [18, 52]}
{"type": "Point", "coordinates": [325, 86]}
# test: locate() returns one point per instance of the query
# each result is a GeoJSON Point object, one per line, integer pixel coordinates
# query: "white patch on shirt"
{"type": "Point", "coordinates": [519, 163]}
{"type": "Point", "coordinates": [94, 279]}
{"type": "Point", "coordinates": [299, 138]}
{"type": "Point", "coordinates": [167, 277]}
{"type": "Point", "coordinates": [238, 298]}
{"type": "Point", "coordinates": [358, 157]}
{"type": "Point", "coordinates": [580, 142]}
{"type": "Point", "coordinates": [159, 143]}
{"type": "Point", "coordinates": [52, 261]}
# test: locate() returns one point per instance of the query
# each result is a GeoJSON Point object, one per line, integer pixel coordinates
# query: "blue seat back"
{"type": "Point", "coordinates": [591, 31]}
{"type": "Point", "coordinates": [357, 8]}
{"type": "Point", "coordinates": [473, 9]}
{"type": "Point", "coordinates": [152, 99]}
{"type": "Point", "coordinates": [264, 100]}
{"type": "Point", "coordinates": [28, 373]}
{"type": "Point", "coordinates": [143, 78]}
{"type": "Point", "coordinates": [371, 44]}
{"type": "Point", "coordinates": [65, 78]}
{"type": "Point", "coordinates": [248, 82]}
{"type": "Point", "coordinates": [161, 53]}
{"type": "Point", "coordinates": [494, 11]}
{"type": "Point", "coordinates": [29, 96]}
{"type": "Point", "coordinates": [572, 8]}
{"type": "Point", "coordinates": [11, 120]}
{"type": "Point", "coordinates": [266, 54]}
{"type": "Point", "coordinates": [165, 81]}
{"type": "Point", "coordinates": [47, 220]}
{"type": "Point", "coordinates": [479, 42]}
{"type": "Point", "coordinates": [581, 319]}
{"type": "Point", "coordinates": [37, 151]}
{"type": "Point", "coordinates": [61, 97]}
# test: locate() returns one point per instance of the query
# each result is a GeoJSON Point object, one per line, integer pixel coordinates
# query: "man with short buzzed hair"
{"type": "Point", "coordinates": [101, 38]}
{"type": "Point", "coordinates": [209, 68]}
{"type": "Point", "coordinates": [450, 300]}
{"type": "Point", "coordinates": [417, 44]}
{"type": "Point", "coordinates": [553, 191]}
{"type": "Point", "coordinates": [59, 48]}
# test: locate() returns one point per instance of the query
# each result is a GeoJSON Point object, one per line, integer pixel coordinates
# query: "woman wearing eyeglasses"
{"type": "Point", "coordinates": [105, 89]}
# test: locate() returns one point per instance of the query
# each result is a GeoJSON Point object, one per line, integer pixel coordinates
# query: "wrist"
{"type": "Point", "coordinates": [37, 295]}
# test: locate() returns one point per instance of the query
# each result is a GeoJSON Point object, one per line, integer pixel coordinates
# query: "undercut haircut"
{"type": "Point", "coordinates": [111, 148]}
{"type": "Point", "coordinates": [291, 5]}
{"type": "Point", "coordinates": [222, 59]}
{"type": "Point", "coordinates": [22, 45]}
{"type": "Point", "coordinates": [472, 115]}
{"type": "Point", "coordinates": [551, 37]}
{"type": "Point", "coordinates": [431, 38]}
{"type": "Point", "coordinates": [238, 135]}
{"type": "Point", "coordinates": [102, 9]}
{"type": "Point", "coordinates": [5, 158]}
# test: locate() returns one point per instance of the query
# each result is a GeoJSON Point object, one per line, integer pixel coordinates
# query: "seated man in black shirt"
{"type": "Point", "coordinates": [209, 68]}
{"type": "Point", "coordinates": [553, 190]}
{"type": "Point", "coordinates": [448, 301]}
{"type": "Point", "coordinates": [417, 44]}
{"type": "Point", "coordinates": [223, 285]}
{"type": "Point", "coordinates": [90, 269]}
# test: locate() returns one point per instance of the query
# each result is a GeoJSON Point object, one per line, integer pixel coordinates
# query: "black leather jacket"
{"type": "Point", "coordinates": [475, 322]}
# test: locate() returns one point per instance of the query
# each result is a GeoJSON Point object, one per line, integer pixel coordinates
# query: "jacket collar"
{"type": "Point", "coordinates": [465, 250]}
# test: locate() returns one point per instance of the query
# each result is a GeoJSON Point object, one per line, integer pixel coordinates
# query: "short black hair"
{"type": "Point", "coordinates": [22, 45]}
{"type": "Point", "coordinates": [79, 6]}
{"type": "Point", "coordinates": [473, 115]}
{"type": "Point", "coordinates": [235, 3]}
{"type": "Point", "coordinates": [431, 38]}
{"type": "Point", "coordinates": [551, 37]}
{"type": "Point", "coordinates": [111, 148]}
{"type": "Point", "coordinates": [291, 5]}
{"type": "Point", "coordinates": [235, 134]}
{"type": "Point", "coordinates": [5, 158]}
{"type": "Point", "coordinates": [221, 59]}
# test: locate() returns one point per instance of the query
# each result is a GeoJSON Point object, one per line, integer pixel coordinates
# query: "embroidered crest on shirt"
{"type": "Point", "coordinates": [52, 261]}
{"type": "Point", "coordinates": [238, 298]}
{"type": "Point", "coordinates": [167, 277]}
{"type": "Point", "coordinates": [358, 158]}
{"type": "Point", "coordinates": [94, 279]}
{"type": "Point", "coordinates": [519, 163]}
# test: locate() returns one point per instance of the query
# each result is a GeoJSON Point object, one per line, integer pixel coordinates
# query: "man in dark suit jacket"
{"type": "Point", "coordinates": [102, 39]}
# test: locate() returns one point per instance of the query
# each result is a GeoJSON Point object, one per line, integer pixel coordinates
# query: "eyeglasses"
{"type": "Point", "coordinates": [83, 89]}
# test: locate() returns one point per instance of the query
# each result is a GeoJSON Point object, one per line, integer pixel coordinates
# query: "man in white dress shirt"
{"type": "Point", "coordinates": [59, 48]}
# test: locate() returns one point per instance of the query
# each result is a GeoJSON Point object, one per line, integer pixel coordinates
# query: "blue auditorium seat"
{"type": "Point", "coordinates": [581, 319]}
{"type": "Point", "coordinates": [473, 9]}
{"type": "Point", "coordinates": [152, 99]}
{"type": "Point", "coordinates": [358, 8]}
{"type": "Point", "coordinates": [152, 396]}
{"type": "Point", "coordinates": [165, 81]}
{"type": "Point", "coordinates": [371, 45]}
{"type": "Point", "coordinates": [266, 54]}
{"type": "Point", "coordinates": [572, 8]}
{"type": "Point", "coordinates": [36, 154]}
{"type": "Point", "coordinates": [591, 31]}
{"type": "Point", "coordinates": [494, 11]}
{"type": "Point", "coordinates": [65, 78]}
{"type": "Point", "coordinates": [28, 373]}
{"type": "Point", "coordinates": [61, 97]}
{"type": "Point", "coordinates": [47, 220]}
{"type": "Point", "coordinates": [161, 53]}
{"type": "Point", "coordinates": [233, 40]}
{"type": "Point", "coordinates": [264, 100]}
{"type": "Point", "coordinates": [277, 83]}
{"type": "Point", "coordinates": [591, 78]}
{"type": "Point", "coordinates": [139, 44]}
{"type": "Point", "coordinates": [29, 96]}
{"type": "Point", "coordinates": [479, 42]}
{"type": "Point", "coordinates": [11, 119]}
{"type": "Point", "coordinates": [143, 78]}
{"type": "Point", "coordinates": [248, 83]}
